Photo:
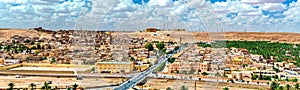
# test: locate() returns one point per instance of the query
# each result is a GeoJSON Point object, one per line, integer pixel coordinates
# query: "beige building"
{"type": "Point", "coordinates": [196, 67]}
{"type": "Point", "coordinates": [114, 67]}
{"type": "Point", "coordinates": [204, 67]}
{"type": "Point", "coordinates": [33, 59]}
{"type": "Point", "coordinates": [241, 75]}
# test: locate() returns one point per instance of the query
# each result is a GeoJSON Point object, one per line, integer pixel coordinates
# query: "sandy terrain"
{"type": "Point", "coordinates": [48, 69]}
{"type": "Point", "coordinates": [60, 82]}
{"type": "Point", "coordinates": [203, 36]}
{"type": "Point", "coordinates": [6, 34]}
{"type": "Point", "coordinates": [177, 84]}
{"type": "Point", "coordinates": [176, 35]}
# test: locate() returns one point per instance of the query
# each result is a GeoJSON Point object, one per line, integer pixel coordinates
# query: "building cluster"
{"type": "Point", "coordinates": [99, 48]}
{"type": "Point", "coordinates": [245, 67]}
{"type": "Point", "coordinates": [193, 60]}
{"type": "Point", "coordinates": [234, 63]}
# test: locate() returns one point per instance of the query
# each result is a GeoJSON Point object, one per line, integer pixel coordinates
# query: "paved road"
{"type": "Point", "coordinates": [141, 76]}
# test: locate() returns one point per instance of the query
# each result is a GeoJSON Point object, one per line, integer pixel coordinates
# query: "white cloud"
{"type": "Point", "coordinates": [273, 7]}
{"type": "Point", "coordinates": [161, 3]}
{"type": "Point", "coordinates": [124, 14]}
{"type": "Point", "coordinates": [261, 1]}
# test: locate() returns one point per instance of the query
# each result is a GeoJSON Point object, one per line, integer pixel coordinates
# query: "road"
{"type": "Point", "coordinates": [141, 76]}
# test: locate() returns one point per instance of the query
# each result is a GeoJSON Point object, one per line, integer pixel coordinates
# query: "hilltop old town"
{"type": "Point", "coordinates": [117, 55]}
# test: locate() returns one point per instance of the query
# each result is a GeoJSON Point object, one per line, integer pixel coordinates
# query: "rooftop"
{"type": "Point", "coordinates": [114, 62]}
{"type": "Point", "coordinates": [48, 69]}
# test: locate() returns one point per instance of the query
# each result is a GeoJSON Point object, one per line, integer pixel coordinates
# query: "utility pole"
{"type": "Point", "coordinates": [179, 40]}
{"type": "Point", "coordinates": [195, 85]}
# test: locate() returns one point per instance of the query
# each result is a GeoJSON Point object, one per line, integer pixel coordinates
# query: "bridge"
{"type": "Point", "coordinates": [143, 75]}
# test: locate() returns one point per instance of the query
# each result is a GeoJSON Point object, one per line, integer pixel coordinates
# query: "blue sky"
{"type": "Point", "coordinates": [194, 15]}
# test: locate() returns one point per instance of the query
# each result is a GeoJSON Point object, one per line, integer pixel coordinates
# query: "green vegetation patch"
{"type": "Point", "coordinates": [280, 51]}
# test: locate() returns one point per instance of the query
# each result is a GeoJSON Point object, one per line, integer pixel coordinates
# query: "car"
{"type": "Point", "coordinates": [18, 76]}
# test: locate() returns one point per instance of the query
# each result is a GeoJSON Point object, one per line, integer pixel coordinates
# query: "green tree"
{"type": "Point", "coordinates": [160, 45]}
{"type": "Point", "coordinates": [276, 69]}
{"type": "Point", "coordinates": [184, 88]}
{"type": "Point", "coordinates": [225, 88]}
{"type": "Point", "coordinates": [38, 46]}
{"type": "Point", "coordinates": [53, 60]}
{"type": "Point", "coordinates": [254, 77]}
{"type": "Point", "coordinates": [32, 43]}
{"type": "Point", "coordinates": [267, 78]}
{"type": "Point", "coordinates": [274, 85]}
{"type": "Point", "coordinates": [32, 85]}
{"type": "Point", "coordinates": [280, 87]}
{"type": "Point", "coordinates": [164, 50]}
{"type": "Point", "coordinates": [287, 79]}
{"type": "Point", "coordinates": [288, 86]}
{"type": "Point", "coordinates": [33, 47]}
{"type": "Point", "coordinates": [131, 59]}
{"type": "Point", "coordinates": [204, 73]}
{"type": "Point", "coordinates": [27, 41]}
{"type": "Point", "coordinates": [46, 86]}
{"type": "Point", "coordinates": [49, 46]}
{"type": "Point", "coordinates": [295, 80]}
{"type": "Point", "coordinates": [297, 86]}
{"type": "Point", "coordinates": [8, 48]}
{"type": "Point", "coordinates": [69, 89]}
{"type": "Point", "coordinates": [245, 65]}
{"type": "Point", "coordinates": [176, 48]}
{"type": "Point", "coordinates": [169, 88]}
{"type": "Point", "coordinates": [11, 86]}
{"type": "Point", "coordinates": [149, 46]}
{"type": "Point", "coordinates": [171, 60]}
{"type": "Point", "coordinates": [75, 86]}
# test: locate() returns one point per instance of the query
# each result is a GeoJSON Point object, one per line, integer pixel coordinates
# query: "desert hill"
{"type": "Point", "coordinates": [204, 36]}
{"type": "Point", "coordinates": [183, 36]}
{"type": "Point", "coordinates": [6, 34]}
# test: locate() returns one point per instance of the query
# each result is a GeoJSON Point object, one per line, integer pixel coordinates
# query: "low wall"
{"type": "Point", "coordinates": [10, 66]}
{"type": "Point", "coordinates": [6, 69]}
{"type": "Point", "coordinates": [54, 65]}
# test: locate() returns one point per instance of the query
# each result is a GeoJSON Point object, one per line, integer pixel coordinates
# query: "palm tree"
{"type": "Point", "coordinates": [11, 86]}
{"type": "Point", "coordinates": [32, 85]}
{"type": "Point", "coordinates": [297, 86]}
{"type": "Point", "coordinates": [75, 86]}
{"type": "Point", "coordinates": [46, 86]}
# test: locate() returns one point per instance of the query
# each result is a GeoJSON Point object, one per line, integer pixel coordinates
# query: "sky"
{"type": "Point", "coordinates": [132, 15]}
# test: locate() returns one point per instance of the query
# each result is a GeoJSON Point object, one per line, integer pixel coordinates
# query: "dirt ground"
{"type": "Point", "coordinates": [59, 82]}
{"type": "Point", "coordinates": [162, 84]}
{"type": "Point", "coordinates": [204, 36]}
{"type": "Point", "coordinates": [6, 34]}
{"type": "Point", "coordinates": [152, 84]}
{"type": "Point", "coordinates": [185, 36]}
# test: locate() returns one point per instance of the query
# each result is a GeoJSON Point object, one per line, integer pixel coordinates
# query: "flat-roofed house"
{"type": "Point", "coordinates": [204, 67]}
{"type": "Point", "coordinates": [115, 67]}
{"type": "Point", "coordinates": [33, 59]}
